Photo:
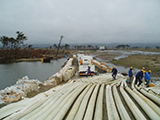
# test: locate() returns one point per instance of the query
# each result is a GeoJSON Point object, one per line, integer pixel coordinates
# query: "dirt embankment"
{"type": "Point", "coordinates": [30, 55]}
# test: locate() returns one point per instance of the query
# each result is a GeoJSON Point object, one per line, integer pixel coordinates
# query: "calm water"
{"type": "Point", "coordinates": [10, 73]}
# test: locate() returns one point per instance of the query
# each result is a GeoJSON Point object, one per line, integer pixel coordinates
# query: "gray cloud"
{"type": "Point", "coordinates": [82, 21]}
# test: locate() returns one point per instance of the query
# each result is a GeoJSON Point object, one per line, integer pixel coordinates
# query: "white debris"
{"type": "Point", "coordinates": [19, 90]}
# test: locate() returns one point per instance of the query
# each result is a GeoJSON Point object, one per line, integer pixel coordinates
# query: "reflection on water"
{"type": "Point", "coordinates": [10, 73]}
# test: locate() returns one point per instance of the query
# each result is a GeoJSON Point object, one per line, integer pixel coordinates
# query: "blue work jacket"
{"type": "Point", "coordinates": [130, 73]}
{"type": "Point", "coordinates": [139, 74]}
{"type": "Point", "coordinates": [147, 76]}
{"type": "Point", "coordinates": [114, 71]}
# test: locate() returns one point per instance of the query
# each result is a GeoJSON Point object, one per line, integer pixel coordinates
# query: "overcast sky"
{"type": "Point", "coordinates": [82, 21]}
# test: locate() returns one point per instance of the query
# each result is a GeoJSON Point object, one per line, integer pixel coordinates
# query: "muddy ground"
{"type": "Point", "coordinates": [150, 62]}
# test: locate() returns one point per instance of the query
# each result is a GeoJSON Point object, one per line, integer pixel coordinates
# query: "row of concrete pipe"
{"type": "Point", "coordinates": [84, 99]}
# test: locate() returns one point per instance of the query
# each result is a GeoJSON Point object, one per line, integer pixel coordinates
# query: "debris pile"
{"type": "Point", "coordinates": [19, 90]}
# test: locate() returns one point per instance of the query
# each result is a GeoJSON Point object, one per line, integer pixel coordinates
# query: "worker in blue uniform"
{"type": "Point", "coordinates": [139, 76]}
{"type": "Point", "coordinates": [89, 71]}
{"type": "Point", "coordinates": [114, 72]}
{"type": "Point", "coordinates": [148, 78]}
{"type": "Point", "coordinates": [130, 74]}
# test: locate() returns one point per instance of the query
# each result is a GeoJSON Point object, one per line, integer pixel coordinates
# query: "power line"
{"type": "Point", "coordinates": [72, 40]}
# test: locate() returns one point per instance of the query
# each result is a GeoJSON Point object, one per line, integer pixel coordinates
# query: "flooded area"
{"type": "Point", "coordinates": [123, 54]}
{"type": "Point", "coordinates": [108, 55]}
{"type": "Point", "coordinates": [10, 73]}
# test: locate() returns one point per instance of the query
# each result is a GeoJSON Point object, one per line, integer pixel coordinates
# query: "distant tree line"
{"type": "Point", "coordinates": [13, 43]}
{"type": "Point", "coordinates": [67, 46]}
{"type": "Point", "coordinates": [11, 47]}
{"type": "Point", "coordinates": [157, 47]}
{"type": "Point", "coordinates": [122, 46]}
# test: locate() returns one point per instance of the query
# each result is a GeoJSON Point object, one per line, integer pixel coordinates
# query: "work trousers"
{"type": "Point", "coordinates": [138, 79]}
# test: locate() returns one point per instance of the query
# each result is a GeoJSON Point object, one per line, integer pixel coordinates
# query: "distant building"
{"type": "Point", "coordinates": [102, 48]}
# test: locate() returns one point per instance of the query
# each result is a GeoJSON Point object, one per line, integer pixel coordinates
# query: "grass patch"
{"type": "Point", "coordinates": [139, 61]}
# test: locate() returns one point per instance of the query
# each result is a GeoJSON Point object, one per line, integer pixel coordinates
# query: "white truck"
{"type": "Point", "coordinates": [79, 57]}
{"type": "Point", "coordinates": [85, 61]}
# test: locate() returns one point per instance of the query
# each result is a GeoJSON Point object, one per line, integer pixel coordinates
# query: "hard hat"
{"type": "Point", "coordinates": [144, 71]}
{"type": "Point", "coordinates": [114, 67]}
{"type": "Point", "coordinates": [143, 68]}
{"type": "Point", "coordinates": [149, 71]}
{"type": "Point", "coordinates": [131, 67]}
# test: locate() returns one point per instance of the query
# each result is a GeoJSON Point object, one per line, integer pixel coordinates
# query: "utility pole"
{"type": "Point", "coordinates": [59, 44]}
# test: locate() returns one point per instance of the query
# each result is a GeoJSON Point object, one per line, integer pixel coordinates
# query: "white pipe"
{"type": "Point", "coordinates": [46, 106]}
{"type": "Point", "coordinates": [122, 111]}
{"type": "Point", "coordinates": [76, 105]}
{"type": "Point", "coordinates": [83, 106]}
{"type": "Point", "coordinates": [136, 112]}
{"type": "Point", "coordinates": [91, 105]}
{"type": "Point", "coordinates": [149, 95]}
{"type": "Point", "coordinates": [26, 104]}
{"type": "Point", "coordinates": [42, 114]}
{"type": "Point", "coordinates": [133, 82]}
{"type": "Point", "coordinates": [150, 103]}
{"type": "Point", "coordinates": [14, 107]}
{"type": "Point", "coordinates": [152, 97]}
{"type": "Point", "coordinates": [99, 105]}
{"type": "Point", "coordinates": [59, 104]}
{"type": "Point", "coordinates": [60, 114]}
{"type": "Point", "coordinates": [29, 107]}
{"type": "Point", "coordinates": [143, 105]}
{"type": "Point", "coordinates": [111, 108]}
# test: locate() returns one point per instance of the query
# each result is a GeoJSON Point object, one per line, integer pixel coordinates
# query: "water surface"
{"type": "Point", "coordinates": [10, 73]}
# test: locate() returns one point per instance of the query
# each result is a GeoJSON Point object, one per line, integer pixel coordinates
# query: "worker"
{"type": "Point", "coordinates": [114, 72]}
{"type": "Point", "coordinates": [139, 76]}
{"type": "Point", "coordinates": [89, 71]}
{"type": "Point", "coordinates": [148, 78]}
{"type": "Point", "coordinates": [130, 74]}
